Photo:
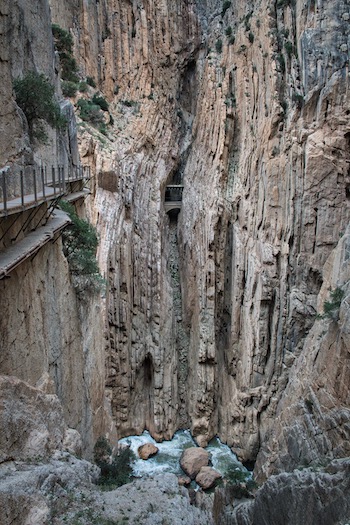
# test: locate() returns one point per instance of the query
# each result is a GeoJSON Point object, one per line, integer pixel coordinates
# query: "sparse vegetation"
{"type": "Point", "coordinates": [79, 246]}
{"type": "Point", "coordinates": [64, 45]}
{"type": "Point", "coordinates": [241, 482]}
{"type": "Point", "coordinates": [98, 100]}
{"type": "Point", "coordinates": [90, 112]}
{"type": "Point", "coordinates": [128, 103]}
{"type": "Point", "coordinates": [91, 82]}
{"type": "Point", "coordinates": [331, 307]}
{"type": "Point", "coordinates": [299, 99]}
{"type": "Point", "coordinates": [281, 61]}
{"type": "Point", "coordinates": [225, 6]}
{"type": "Point", "coordinates": [115, 471]}
{"type": "Point", "coordinates": [289, 48]}
{"type": "Point", "coordinates": [69, 89]}
{"type": "Point", "coordinates": [83, 86]}
{"type": "Point", "coordinates": [218, 45]}
{"type": "Point", "coordinates": [35, 96]}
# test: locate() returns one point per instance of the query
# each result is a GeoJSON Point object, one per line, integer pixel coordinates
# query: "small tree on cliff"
{"type": "Point", "coordinates": [35, 96]}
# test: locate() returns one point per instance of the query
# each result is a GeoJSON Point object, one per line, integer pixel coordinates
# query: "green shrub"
{"type": "Point", "coordinates": [115, 471]}
{"type": "Point", "coordinates": [218, 45]}
{"type": "Point", "coordinates": [91, 82]}
{"type": "Point", "coordinates": [35, 96]}
{"type": "Point", "coordinates": [69, 89]}
{"type": "Point", "coordinates": [63, 39]}
{"type": "Point", "coordinates": [240, 482]}
{"type": "Point", "coordinates": [83, 86]}
{"type": "Point", "coordinates": [128, 103]}
{"type": "Point", "coordinates": [251, 37]}
{"type": "Point", "coordinates": [284, 105]}
{"type": "Point", "coordinates": [100, 101]}
{"type": "Point", "coordinates": [299, 99]}
{"type": "Point", "coordinates": [228, 31]}
{"type": "Point", "coordinates": [90, 112]}
{"type": "Point", "coordinates": [225, 6]}
{"type": "Point", "coordinates": [64, 45]}
{"type": "Point", "coordinates": [289, 48]}
{"type": "Point", "coordinates": [331, 307]}
{"type": "Point", "coordinates": [79, 246]}
{"type": "Point", "coordinates": [281, 61]}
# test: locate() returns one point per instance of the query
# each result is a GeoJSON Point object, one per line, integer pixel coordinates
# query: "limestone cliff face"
{"type": "Point", "coordinates": [311, 424]}
{"type": "Point", "coordinates": [248, 107]}
{"type": "Point", "coordinates": [49, 339]}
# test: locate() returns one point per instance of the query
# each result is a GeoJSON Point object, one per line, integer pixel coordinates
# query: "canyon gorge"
{"type": "Point", "coordinates": [213, 313]}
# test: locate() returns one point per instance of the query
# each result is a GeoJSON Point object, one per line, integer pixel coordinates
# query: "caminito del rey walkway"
{"type": "Point", "coordinates": [173, 197]}
{"type": "Point", "coordinates": [28, 189]}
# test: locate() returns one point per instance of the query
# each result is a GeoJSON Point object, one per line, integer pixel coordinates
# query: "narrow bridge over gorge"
{"type": "Point", "coordinates": [173, 197]}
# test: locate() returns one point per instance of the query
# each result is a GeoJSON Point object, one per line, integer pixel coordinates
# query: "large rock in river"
{"type": "Point", "coordinates": [193, 459]}
{"type": "Point", "coordinates": [147, 450]}
{"type": "Point", "coordinates": [207, 477]}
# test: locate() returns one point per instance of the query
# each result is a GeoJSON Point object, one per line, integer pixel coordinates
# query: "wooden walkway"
{"type": "Point", "coordinates": [46, 185]}
{"type": "Point", "coordinates": [31, 244]}
{"type": "Point", "coordinates": [29, 201]}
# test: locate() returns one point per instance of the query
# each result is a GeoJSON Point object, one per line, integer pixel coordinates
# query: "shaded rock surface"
{"type": "Point", "coordinates": [193, 459]}
{"type": "Point", "coordinates": [302, 497]}
{"type": "Point", "coordinates": [62, 491]}
{"type": "Point", "coordinates": [31, 423]}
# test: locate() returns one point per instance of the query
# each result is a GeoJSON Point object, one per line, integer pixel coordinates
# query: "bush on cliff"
{"type": "Point", "coordinates": [331, 307]}
{"type": "Point", "coordinates": [35, 96]}
{"type": "Point", "coordinates": [64, 45]}
{"type": "Point", "coordinates": [79, 246]}
{"type": "Point", "coordinates": [115, 470]}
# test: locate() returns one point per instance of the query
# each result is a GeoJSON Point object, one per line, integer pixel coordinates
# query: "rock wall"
{"type": "Point", "coordinates": [259, 136]}
{"type": "Point", "coordinates": [50, 339]}
{"type": "Point", "coordinates": [47, 340]}
{"type": "Point", "coordinates": [248, 106]}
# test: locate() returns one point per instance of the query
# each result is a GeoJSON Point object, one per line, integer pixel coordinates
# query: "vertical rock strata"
{"type": "Point", "coordinates": [50, 341]}
{"type": "Point", "coordinates": [248, 105]}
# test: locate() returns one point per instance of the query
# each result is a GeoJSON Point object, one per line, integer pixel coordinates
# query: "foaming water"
{"type": "Point", "coordinates": [168, 457]}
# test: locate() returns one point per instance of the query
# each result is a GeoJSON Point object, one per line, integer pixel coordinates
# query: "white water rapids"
{"type": "Point", "coordinates": [168, 457]}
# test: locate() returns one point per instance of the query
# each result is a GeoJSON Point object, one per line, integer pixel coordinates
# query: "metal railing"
{"type": "Point", "coordinates": [173, 193]}
{"type": "Point", "coordinates": [23, 187]}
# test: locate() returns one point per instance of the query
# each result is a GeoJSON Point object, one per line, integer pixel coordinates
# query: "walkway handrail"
{"type": "Point", "coordinates": [36, 183]}
{"type": "Point", "coordinates": [173, 193]}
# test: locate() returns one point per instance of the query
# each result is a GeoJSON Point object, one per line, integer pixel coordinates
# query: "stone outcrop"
{"type": "Point", "coordinates": [31, 423]}
{"type": "Point", "coordinates": [193, 459]}
{"type": "Point", "coordinates": [304, 496]}
{"type": "Point", "coordinates": [63, 491]}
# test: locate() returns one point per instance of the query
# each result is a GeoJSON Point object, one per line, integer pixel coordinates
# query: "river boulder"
{"type": "Point", "coordinates": [193, 459]}
{"type": "Point", "coordinates": [147, 450]}
{"type": "Point", "coordinates": [207, 477]}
